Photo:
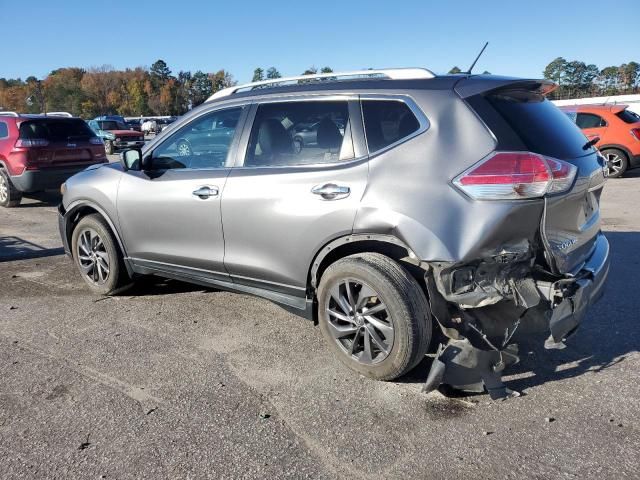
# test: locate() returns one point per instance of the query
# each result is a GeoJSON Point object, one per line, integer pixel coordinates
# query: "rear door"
{"type": "Point", "coordinates": [281, 204]}
{"type": "Point", "coordinates": [571, 221]}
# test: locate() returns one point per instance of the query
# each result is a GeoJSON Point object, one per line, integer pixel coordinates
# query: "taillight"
{"type": "Point", "coordinates": [636, 133]}
{"type": "Point", "coordinates": [516, 175]}
{"type": "Point", "coordinates": [31, 142]}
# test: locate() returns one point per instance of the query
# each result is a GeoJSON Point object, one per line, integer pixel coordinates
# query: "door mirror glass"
{"type": "Point", "coordinates": [131, 159]}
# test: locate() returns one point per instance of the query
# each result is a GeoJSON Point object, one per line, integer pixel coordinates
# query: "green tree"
{"type": "Point", "coordinates": [629, 75]}
{"type": "Point", "coordinates": [273, 73]}
{"type": "Point", "coordinates": [258, 75]}
{"type": "Point", "coordinates": [310, 71]}
{"type": "Point", "coordinates": [159, 70]}
{"type": "Point", "coordinates": [201, 88]}
{"type": "Point", "coordinates": [326, 70]}
{"type": "Point", "coordinates": [63, 90]}
{"type": "Point", "coordinates": [609, 80]}
{"type": "Point", "coordinates": [455, 70]}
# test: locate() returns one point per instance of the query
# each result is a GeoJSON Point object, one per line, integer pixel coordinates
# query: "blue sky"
{"type": "Point", "coordinates": [240, 35]}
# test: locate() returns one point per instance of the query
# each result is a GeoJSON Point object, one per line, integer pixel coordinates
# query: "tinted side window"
{"type": "Point", "coordinates": [4, 130]}
{"type": "Point", "coordinates": [386, 122]}
{"type": "Point", "coordinates": [589, 120]}
{"type": "Point", "coordinates": [300, 133]}
{"type": "Point", "coordinates": [202, 143]}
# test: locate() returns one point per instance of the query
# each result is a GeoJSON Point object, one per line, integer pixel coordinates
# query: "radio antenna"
{"type": "Point", "coordinates": [468, 72]}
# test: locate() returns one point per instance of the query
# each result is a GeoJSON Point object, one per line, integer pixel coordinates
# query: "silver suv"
{"type": "Point", "coordinates": [460, 207]}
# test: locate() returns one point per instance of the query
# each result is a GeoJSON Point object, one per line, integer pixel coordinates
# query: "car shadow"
{"type": "Point", "coordinates": [16, 248]}
{"type": "Point", "coordinates": [149, 286]}
{"type": "Point", "coordinates": [607, 336]}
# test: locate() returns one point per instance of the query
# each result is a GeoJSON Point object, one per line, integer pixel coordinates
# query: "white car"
{"type": "Point", "coordinates": [149, 126]}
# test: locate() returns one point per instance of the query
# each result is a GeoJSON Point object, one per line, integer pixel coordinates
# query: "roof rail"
{"type": "Point", "coordinates": [57, 114]}
{"type": "Point", "coordinates": [9, 114]}
{"type": "Point", "coordinates": [388, 73]}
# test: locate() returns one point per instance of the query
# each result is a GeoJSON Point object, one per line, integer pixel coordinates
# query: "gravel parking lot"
{"type": "Point", "coordinates": [173, 381]}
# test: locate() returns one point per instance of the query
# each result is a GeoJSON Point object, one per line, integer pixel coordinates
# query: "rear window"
{"type": "Point", "coordinates": [55, 130]}
{"type": "Point", "coordinates": [541, 125]}
{"type": "Point", "coordinates": [627, 116]}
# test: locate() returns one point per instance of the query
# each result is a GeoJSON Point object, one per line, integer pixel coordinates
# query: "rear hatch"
{"type": "Point", "coordinates": [60, 142]}
{"type": "Point", "coordinates": [571, 220]}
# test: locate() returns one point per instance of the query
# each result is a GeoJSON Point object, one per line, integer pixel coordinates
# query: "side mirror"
{"type": "Point", "coordinates": [131, 159]}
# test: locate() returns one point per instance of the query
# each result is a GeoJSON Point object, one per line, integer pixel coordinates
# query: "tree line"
{"type": "Point", "coordinates": [131, 92]}
{"type": "Point", "coordinates": [576, 79]}
{"type": "Point", "coordinates": [157, 91]}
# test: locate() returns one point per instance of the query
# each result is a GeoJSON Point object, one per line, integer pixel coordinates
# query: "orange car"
{"type": "Point", "coordinates": [618, 130]}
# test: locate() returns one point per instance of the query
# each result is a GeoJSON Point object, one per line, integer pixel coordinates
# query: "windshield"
{"type": "Point", "coordinates": [58, 129]}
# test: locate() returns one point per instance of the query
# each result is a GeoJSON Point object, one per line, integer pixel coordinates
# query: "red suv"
{"type": "Point", "coordinates": [38, 152]}
{"type": "Point", "coordinates": [618, 130]}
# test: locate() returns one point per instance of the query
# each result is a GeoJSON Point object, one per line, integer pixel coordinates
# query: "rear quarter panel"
{"type": "Point", "coordinates": [410, 194]}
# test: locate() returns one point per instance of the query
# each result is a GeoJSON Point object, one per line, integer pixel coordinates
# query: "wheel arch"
{"type": "Point", "coordinates": [616, 146]}
{"type": "Point", "coordinates": [341, 247]}
{"type": "Point", "coordinates": [81, 209]}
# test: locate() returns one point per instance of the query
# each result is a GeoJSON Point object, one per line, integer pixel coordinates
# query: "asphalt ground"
{"type": "Point", "coordinates": [171, 381]}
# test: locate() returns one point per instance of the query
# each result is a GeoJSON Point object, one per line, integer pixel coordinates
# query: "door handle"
{"type": "Point", "coordinates": [206, 192]}
{"type": "Point", "coordinates": [331, 191]}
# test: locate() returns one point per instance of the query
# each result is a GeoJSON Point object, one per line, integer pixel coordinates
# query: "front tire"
{"type": "Point", "coordinates": [108, 147]}
{"type": "Point", "coordinates": [97, 255]}
{"type": "Point", "coordinates": [374, 315]}
{"type": "Point", "coordinates": [617, 162]}
{"type": "Point", "coordinates": [10, 196]}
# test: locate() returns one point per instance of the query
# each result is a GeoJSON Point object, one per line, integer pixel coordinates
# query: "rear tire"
{"type": "Point", "coordinates": [399, 329]}
{"type": "Point", "coordinates": [97, 256]}
{"type": "Point", "coordinates": [617, 162]}
{"type": "Point", "coordinates": [10, 196]}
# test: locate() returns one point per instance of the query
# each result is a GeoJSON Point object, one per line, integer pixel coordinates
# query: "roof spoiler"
{"type": "Point", "coordinates": [470, 86]}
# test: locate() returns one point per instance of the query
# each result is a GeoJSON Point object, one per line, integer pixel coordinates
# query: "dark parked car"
{"type": "Point", "coordinates": [467, 204]}
{"type": "Point", "coordinates": [40, 152]}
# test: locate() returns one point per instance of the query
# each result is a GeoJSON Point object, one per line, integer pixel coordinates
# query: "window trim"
{"type": "Point", "coordinates": [234, 146]}
{"type": "Point", "coordinates": [423, 121]}
{"type": "Point", "coordinates": [353, 108]}
{"type": "Point", "coordinates": [7, 135]}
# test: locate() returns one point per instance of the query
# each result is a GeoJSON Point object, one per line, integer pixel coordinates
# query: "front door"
{"type": "Point", "coordinates": [284, 201]}
{"type": "Point", "coordinates": [169, 213]}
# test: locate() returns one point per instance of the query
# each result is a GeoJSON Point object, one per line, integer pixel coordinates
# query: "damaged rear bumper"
{"type": "Point", "coordinates": [589, 282]}
{"type": "Point", "coordinates": [485, 307]}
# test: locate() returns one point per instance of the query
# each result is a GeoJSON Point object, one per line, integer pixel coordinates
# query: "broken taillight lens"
{"type": "Point", "coordinates": [516, 175]}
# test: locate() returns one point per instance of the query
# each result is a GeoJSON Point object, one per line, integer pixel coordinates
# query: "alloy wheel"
{"type": "Point", "coordinates": [359, 322]}
{"type": "Point", "coordinates": [615, 164]}
{"type": "Point", "coordinates": [93, 257]}
{"type": "Point", "coordinates": [4, 189]}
